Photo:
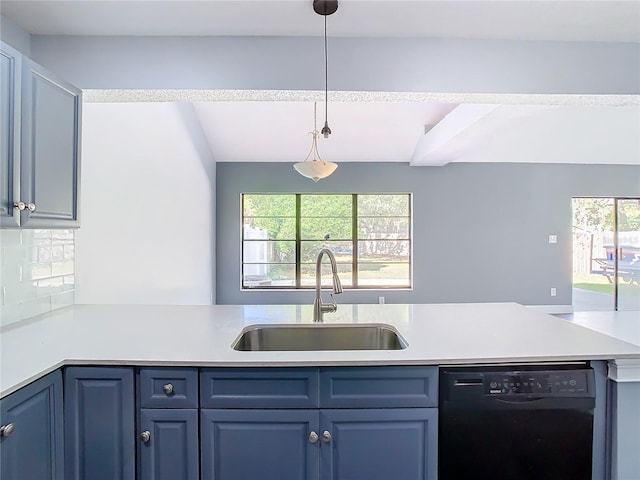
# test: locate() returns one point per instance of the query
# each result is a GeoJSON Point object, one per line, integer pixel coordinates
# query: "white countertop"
{"type": "Point", "coordinates": [437, 334]}
{"type": "Point", "coordinates": [624, 325]}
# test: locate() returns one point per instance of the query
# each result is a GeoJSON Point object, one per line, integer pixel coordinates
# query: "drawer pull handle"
{"type": "Point", "coordinates": [7, 430]}
{"type": "Point", "coordinates": [326, 437]}
{"type": "Point", "coordinates": [313, 437]}
{"type": "Point", "coordinates": [167, 389]}
{"type": "Point", "coordinates": [145, 436]}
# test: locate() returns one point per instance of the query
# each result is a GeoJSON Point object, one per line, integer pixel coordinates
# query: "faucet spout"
{"type": "Point", "coordinates": [319, 308]}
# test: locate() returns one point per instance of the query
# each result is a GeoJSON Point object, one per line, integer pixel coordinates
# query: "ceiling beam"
{"type": "Point", "coordinates": [460, 119]}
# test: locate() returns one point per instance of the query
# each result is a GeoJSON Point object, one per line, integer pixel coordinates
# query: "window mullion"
{"type": "Point", "coordinates": [298, 244]}
{"type": "Point", "coordinates": [354, 240]}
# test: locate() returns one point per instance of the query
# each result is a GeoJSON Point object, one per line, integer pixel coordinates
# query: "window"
{"type": "Point", "coordinates": [369, 234]}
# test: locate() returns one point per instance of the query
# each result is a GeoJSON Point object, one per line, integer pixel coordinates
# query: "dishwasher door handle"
{"type": "Point", "coordinates": [519, 400]}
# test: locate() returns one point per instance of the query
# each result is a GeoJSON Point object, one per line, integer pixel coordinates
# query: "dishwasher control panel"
{"type": "Point", "coordinates": [556, 383]}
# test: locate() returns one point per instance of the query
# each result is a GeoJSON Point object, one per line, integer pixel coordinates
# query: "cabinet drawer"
{"type": "Point", "coordinates": [378, 387]}
{"type": "Point", "coordinates": [259, 388]}
{"type": "Point", "coordinates": [168, 388]}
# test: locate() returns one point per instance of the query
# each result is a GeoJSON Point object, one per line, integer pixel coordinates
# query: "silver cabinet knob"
{"type": "Point", "coordinates": [25, 206]}
{"type": "Point", "coordinates": [326, 437]}
{"type": "Point", "coordinates": [167, 389]}
{"type": "Point", "coordinates": [313, 437]}
{"type": "Point", "coordinates": [7, 430]}
{"type": "Point", "coordinates": [145, 436]}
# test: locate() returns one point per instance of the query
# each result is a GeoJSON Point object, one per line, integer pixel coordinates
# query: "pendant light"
{"type": "Point", "coordinates": [325, 8]}
{"type": "Point", "coordinates": [313, 166]}
{"type": "Point", "coordinates": [317, 168]}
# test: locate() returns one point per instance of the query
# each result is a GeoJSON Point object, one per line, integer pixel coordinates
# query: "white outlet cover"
{"type": "Point", "coordinates": [553, 239]}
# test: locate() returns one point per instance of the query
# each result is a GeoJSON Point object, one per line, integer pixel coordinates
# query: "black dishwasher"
{"type": "Point", "coordinates": [516, 422]}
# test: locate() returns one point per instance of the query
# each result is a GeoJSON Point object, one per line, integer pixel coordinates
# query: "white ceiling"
{"type": "Point", "coordinates": [549, 134]}
{"type": "Point", "coordinates": [381, 131]}
{"type": "Point", "coordinates": [280, 131]}
{"type": "Point", "coordinates": [570, 20]}
{"type": "Point", "coordinates": [390, 132]}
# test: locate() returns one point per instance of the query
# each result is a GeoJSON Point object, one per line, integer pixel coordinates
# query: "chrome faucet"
{"type": "Point", "coordinates": [319, 308]}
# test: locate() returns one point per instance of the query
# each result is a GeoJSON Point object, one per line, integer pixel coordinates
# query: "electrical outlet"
{"type": "Point", "coordinates": [553, 239]}
{"type": "Point", "coordinates": [381, 300]}
{"type": "Point", "coordinates": [553, 291]}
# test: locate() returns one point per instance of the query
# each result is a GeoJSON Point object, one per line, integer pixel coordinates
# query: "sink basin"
{"type": "Point", "coordinates": [269, 338]}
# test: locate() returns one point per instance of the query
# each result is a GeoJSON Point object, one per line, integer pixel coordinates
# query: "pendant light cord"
{"type": "Point", "coordinates": [326, 131]}
{"type": "Point", "coordinates": [326, 73]}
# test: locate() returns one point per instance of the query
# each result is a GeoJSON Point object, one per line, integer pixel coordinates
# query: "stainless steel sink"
{"type": "Point", "coordinates": [268, 338]}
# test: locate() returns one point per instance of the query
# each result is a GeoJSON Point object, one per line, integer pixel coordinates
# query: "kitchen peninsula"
{"type": "Point", "coordinates": [437, 334]}
{"type": "Point", "coordinates": [200, 337]}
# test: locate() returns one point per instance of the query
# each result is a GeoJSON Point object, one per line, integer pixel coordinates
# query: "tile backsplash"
{"type": "Point", "coordinates": [36, 272]}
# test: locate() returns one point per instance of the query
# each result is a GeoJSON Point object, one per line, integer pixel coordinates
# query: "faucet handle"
{"type": "Point", "coordinates": [327, 307]}
{"type": "Point", "coordinates": [333, 305]}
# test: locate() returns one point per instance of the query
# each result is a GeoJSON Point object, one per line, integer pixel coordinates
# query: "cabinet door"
{"type": "Point", "coordinates": [264, 444]}
{"type": "Point", "coordinates": [32, 445]}
{"type": "Point", "coordinates": [10, 67]}
{"type": "Point", "coordinates": [379, 444]}
{"type": "Point", "coordinates": [99, 423]}
{"type": "Point", "coordinates": [170, 451]}
{"type": "Point", "coordinates": [50, 146]}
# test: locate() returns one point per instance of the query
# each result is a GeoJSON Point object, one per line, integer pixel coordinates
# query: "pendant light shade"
{"type": "Point", "coordinates": [316, 169]}
{"type": "Point", "coordinates": [313, 166]}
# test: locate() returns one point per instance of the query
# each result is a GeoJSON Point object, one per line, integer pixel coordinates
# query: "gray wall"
{"type": "Point", "coordinates": [14, 35]}
{"type": "Point", "coordinates": [366, 64]}
{"type": "Point", "coordinates": [480, 231]}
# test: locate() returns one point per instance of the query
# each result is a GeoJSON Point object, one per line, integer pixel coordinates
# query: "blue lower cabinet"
{"type": "Point", "coordinates": [99, 423]}
{"type": "Point", "coordinates": [264, 444]}
{"type": "Point", "coordinates": [168, 444]}
{"type": "Point", "coordinates": [379, 444]}
{"type": "Point", "coordinates": [378, 387]}
{"type": "Point", "coordinates": [31, 440]}
{"type": "Point", "coordinates": [259, 387]}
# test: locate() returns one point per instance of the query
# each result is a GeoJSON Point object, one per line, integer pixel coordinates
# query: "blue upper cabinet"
{"type": "Point", "coordinates": [10, 68]}
{"type": "Point", "coordinates": [50, 176]}
{"type": "Point", "coordinates": [40, 164]}
{"type": "Point", "coordinates": [31, 432]}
